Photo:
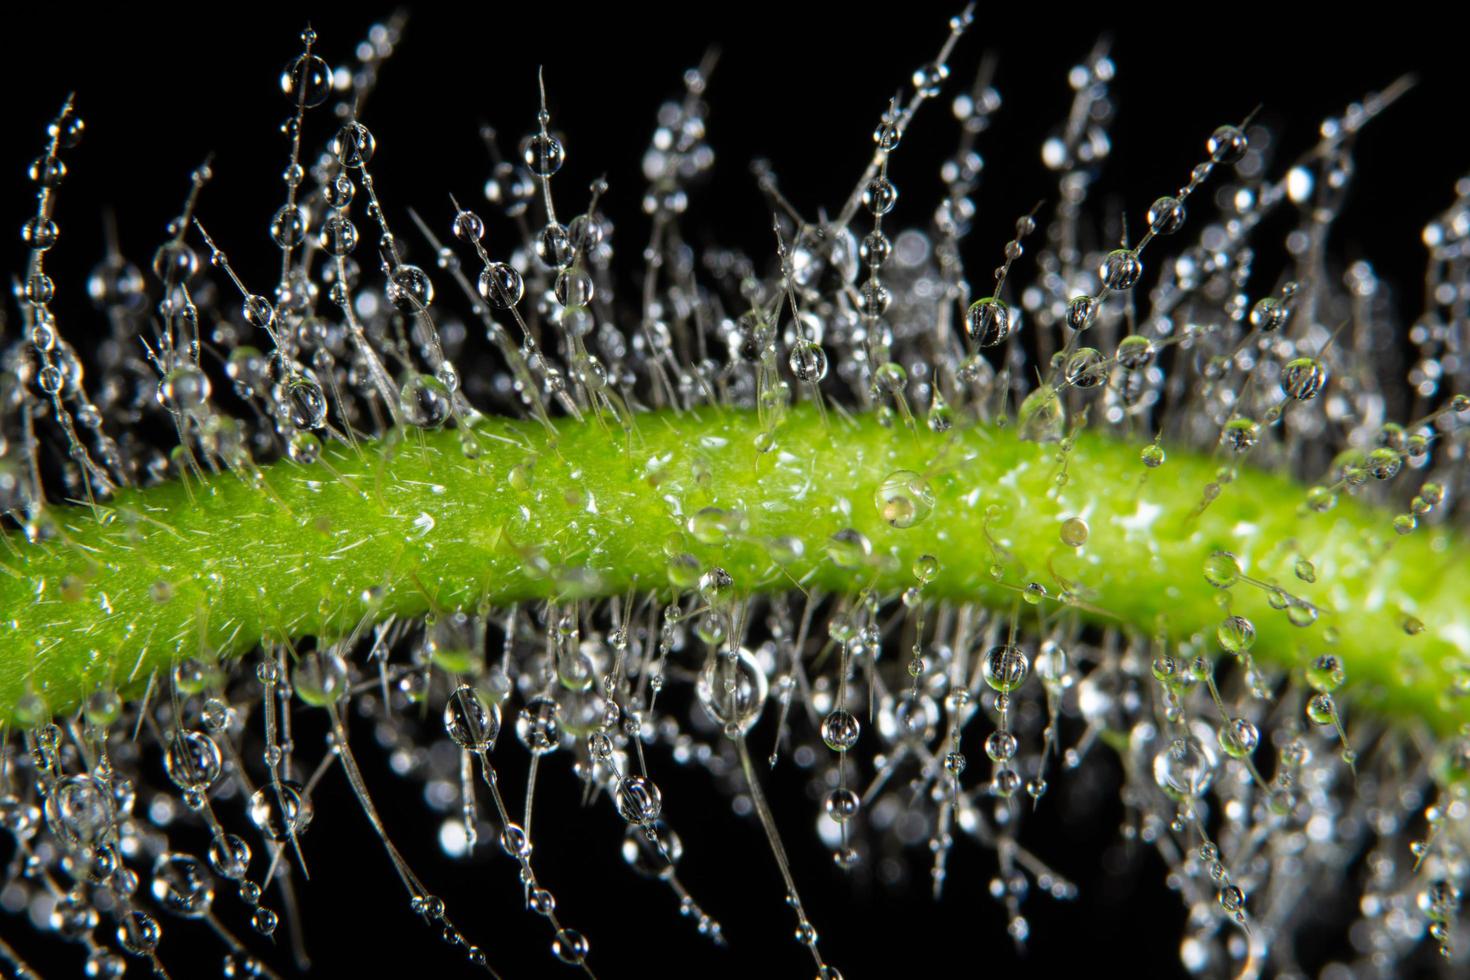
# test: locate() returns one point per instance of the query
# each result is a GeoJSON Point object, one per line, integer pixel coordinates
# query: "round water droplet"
{"type": "Point", "coordinates": [1086, 368]}
{"type": "Point", "coordinates": [652, 850]}
{"type": "Point", "coordinates": [808, 362]}
{"type": "Point", "coordinates": [1005, 668]}
{"type": "Point", "coordinates": [840, 730]}
{"type": "Point", "coordinates": [1227, 144]}
{"type": "Point", "coordinates": [988, 321]}
{"type": "Point", "coordinates": [425, 401]}
{"type": "Point", "coordinates": [1166, 215]}
{"type": "Point", "coordinates": [538, 726]}
{"type": "Point", "coordinates": [1001, 746]}
{"type": "Point", "coordinates": [1222, 570]}
{"type": "Point", "coordinates": [1303, 377]}
{"type": "Point", "coordinates": [1326, 673]}
{"type": "Point", "coordinates": [469, 721]}
{"type": "Point", "coordinates": [1135, 351]}
{"type": "Point", "coordinates": [501, 284]}
{"type": "Point", "coordinates": [1321, 709]}
{"type": "Point", "coordinates": [280, 811]}
{"type": "Point", "coordinates": [1238, 738]}
{"type": "Point", "coordinates": [1120, 269]}
{"type": "Point", "coordinates": [1184, 768]}
{"type": "Point", "coordinates": [192, 760]}
{"type": "Point", "coordinates": [320, 678]}
{"type": "Point", "coordinates": [182, 885]}
{"type": "Point", "coordinates": [409, 289]}
{"type": "Point", "coordinates": [1236, 634]}
{"type": "Point", "coordinates": [1074, 532]}
{"type": "Point", "coordinates": [570, 946]}
{"type": "Point", "coordinates": [733, 691]}
{"type": "Point", "coordinates": [79, 810]}
{"type": "Point", "coordinates": [229, 856]}
{"type": "Point", "coordinates": [543, 154]}
{"type": "Point", "coordinates": [904, 499]}
{"type": "Point", "coordinates": [354, 145]}
{"type": "Point", "coordinates": [849, 548]}
{"type": "Point", "coordinates": [138, 933]}
{"type": "Point", "coordinates": [638, 799]}
{"type": "Point", "coordinates": [307, 81]}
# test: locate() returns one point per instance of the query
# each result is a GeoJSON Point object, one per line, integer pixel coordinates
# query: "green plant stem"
{"type": "Point", "coordinates": [412, 523]}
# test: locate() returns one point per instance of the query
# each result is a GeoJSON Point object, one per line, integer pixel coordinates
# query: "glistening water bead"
{"type": "Point", "coordinates": [827, 512]}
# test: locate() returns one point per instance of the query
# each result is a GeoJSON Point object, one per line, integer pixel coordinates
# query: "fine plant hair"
{"type": "Point", "coordinates": [934, 523]}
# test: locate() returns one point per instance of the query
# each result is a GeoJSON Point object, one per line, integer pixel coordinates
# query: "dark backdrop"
{"type": "Point", "coordinates": [801, 84]}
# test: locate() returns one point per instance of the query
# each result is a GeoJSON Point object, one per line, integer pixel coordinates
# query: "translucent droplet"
{"type": "Point", "coordinates": [79, 810]}
{"type": "Point", "coordinates": [638, 799]}
{"type": "Point", "coordinates": [1166, 215]}
{"type": "Point", "coordinates": [1238, 737]}
{"type": "Point", "coordinates": [1074, 532]}
{"type": "Point", "coordinates": [307, 81]}
{"type": "Point", "coordinates": [1184, 768]}
{"type": "Point", "coordinates": [320, 678]}
{"type": "Point", "coordinates": [1303, 377]}
{"type": "Point", "coordinates": [1222, 570]}
{"type": "Point", "coordinates": [988, 321]}
{"type": "Point", "coordinates": [182, 885]}
{"type": "Point", "coordinates": [354, 145]}
{"type": "Point", "coordinates": [425, 401]}
{"type": "Point", "coordinates": [192, 760]}
{"type": "Point", "coordinates": [410, 289]}
{"type": "Point", "coordinates": [1326, 673]}
{"type": "Point", "coordinates": [904, 499]}
{"type": "Point", "coordinates": [280, 810]}
{"type": "Point", "coordinates": [849, 548]}
{"type": "Point", "coordinates": [840, 730]}
{"type": "Point", "coordinates": [469, 721]}
{"type": "Point", "coordinates": [733, 691]}
{"type": "Point", "coordinates": [1135, 351]}
{"type": "Point", "coordinates": [1005, 667]}
{"type": "Point", "coordinates": [1086, 368]}
{"type": "Point", "coordinates": [1236, 634]}
{"type": "Point", "coordinates": [538, 726]}
{"type": "Point", "coordinates": [1120, 269]}
{"type": "Point", "coordinates": [1041, 417]}
{"type": "Point", "coordinates": [653, 849]}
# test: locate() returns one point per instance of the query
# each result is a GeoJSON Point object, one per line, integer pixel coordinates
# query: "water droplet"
{"type": "Point", "coordinates": [733, 691]}
{"type": "Point", "coordinates": [1236, 634]}
{"type": "Point", "coordinates": [182, 885]}
{"type": "Point", "coordinates": [192, 760]}
{"type": "Point", "coordinates": [849, 548]}
{"type": "Point", "coordinates": [469, 721]}
{"type": "Point", "coordinates": [1221, 570]}
{"type": "Point", "coordinates": [280, 811]}
{"type": "Point", "coordinates": [840, 730]}
{"type": "Point", "coordinates": [1184, 768]}
{"type": "Point", "coordinates": [1073, 532]}
{"type": "Point", "coordinates": [988, 321]}
{"type": "Point", "coordinates": [904, 499]}
{"type": "Point", "coordinates": [1005, 668]}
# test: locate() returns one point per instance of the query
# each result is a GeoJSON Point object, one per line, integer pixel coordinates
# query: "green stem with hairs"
{"type": "Point", "coordinates": [413, 523]}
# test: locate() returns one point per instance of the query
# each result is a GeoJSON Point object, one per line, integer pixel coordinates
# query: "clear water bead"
{"type": "Point", "coordinates": [1005, 668]}
{"type": "Point", "coordinates": [1184, 768]}
{"type": "Point", "coordinates": [840, 730]}
{"type": "Point", "coordinates": [733, 691]}
{"type": "Point", "coordinates": [469, 721]}
{"type": "Point", "coordinates": [281, 810]}
{"type": "Point", "coordinates": [988, 321]}
{"type": "Point", "coordinates": [182, 885]}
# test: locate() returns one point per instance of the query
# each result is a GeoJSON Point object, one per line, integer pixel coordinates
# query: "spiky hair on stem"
{"type": "Point", "coordinates": [924, 528]}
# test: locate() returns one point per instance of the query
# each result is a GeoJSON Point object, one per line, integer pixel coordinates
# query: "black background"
{"type": "Point", "coordinates": [803, 85]}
